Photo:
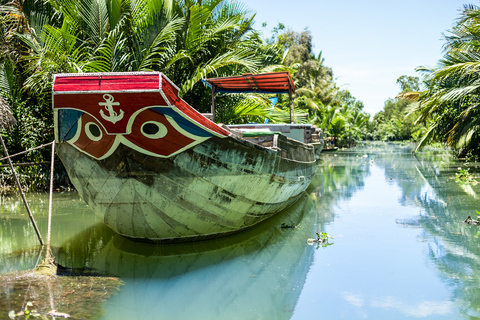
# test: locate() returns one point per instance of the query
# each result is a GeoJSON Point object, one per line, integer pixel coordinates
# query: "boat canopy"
{"type": "Point", "coordinates": [269, 83]}
{"type": "Point", "coordinates": [274, 83]}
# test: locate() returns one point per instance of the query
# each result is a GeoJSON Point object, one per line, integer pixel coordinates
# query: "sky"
{"type": "Point", "coordinates": [368, 44]}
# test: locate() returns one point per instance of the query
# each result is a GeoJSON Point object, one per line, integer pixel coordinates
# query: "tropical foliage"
{"type": "Point", "coordinates": [188, 40]}
{"type": "Point", "coordinates": [396, 122]}
{"type": "Point", "coordinates": [450, 102]}
{"type": "Point", "coordinates": [318, 98]}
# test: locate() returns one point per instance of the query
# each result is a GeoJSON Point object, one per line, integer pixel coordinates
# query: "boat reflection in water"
{"type": "Point", "coordinates": [255, 274]}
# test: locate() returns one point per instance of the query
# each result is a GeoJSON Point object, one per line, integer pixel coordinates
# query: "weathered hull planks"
{"type": "Point", "coordinates": [210, 191]}
{"type": "Point", "coordinates": [153, 168]}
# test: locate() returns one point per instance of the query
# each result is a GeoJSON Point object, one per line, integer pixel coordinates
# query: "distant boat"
{"type": "Point", "coordinates": [153, 168]}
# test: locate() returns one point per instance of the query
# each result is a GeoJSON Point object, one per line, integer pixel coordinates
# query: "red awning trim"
{"type": "Point", "coordinates": [275, 82]}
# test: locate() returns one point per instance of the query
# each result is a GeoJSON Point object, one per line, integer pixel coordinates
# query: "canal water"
{"type": "Point", "coordinates": [400, 249]}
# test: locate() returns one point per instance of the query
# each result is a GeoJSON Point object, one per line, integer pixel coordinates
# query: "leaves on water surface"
{"type": "Point", "coordinates": [76, 296]}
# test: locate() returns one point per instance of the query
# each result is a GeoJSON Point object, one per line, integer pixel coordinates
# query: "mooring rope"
{"type": "Point", "coordinates": [35, 148]}
{"type": "Point", "coordinates": [26, 164]}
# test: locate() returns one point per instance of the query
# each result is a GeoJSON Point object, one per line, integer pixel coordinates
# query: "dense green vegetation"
{"type": "Point", "coordinates": [192, 39]}
{"type": "Point", "coordinates": [442, 107]}
{"type": "Point", "coordinates": [187, 40]}
{"type": "Point", "coordinates": [449, 104]}
{"type": "Point", "coordinates": [397, 121]}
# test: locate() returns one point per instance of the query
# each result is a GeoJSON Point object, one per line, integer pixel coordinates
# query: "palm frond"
{"type": "Point", "coordinates": [426, 138]}
{"type": "Point", "coordinates": [411, 96]}
{"type": "Point", "coordinates": [162, 48]}
{"type": "Point", "coordinates": [110, 56]}
{"type": "Point", "coordinates": [242, 57]}
{"type": "Point", "coordinates": [4, 81]}
{"type": "Point", "coordinates": [94, 13]}
{"type": "Point", "coordinates": [253, 108]}
{"type": "Point", "coordinates": [7, 121]}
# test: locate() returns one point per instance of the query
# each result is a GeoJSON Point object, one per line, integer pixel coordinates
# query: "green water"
{"type": "Point", "coordinates": [400, 249]}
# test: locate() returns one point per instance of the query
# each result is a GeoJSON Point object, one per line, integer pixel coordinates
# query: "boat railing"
{"type": "Point", "coordinates": [209, 116]}
{"type": "Point", "coordinates": [265, 139]}
{"type": "Point", "coordinates": [300, 132]}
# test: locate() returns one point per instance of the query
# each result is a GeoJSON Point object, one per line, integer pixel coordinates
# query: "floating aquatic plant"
{"type": "Point", "coordinates": [27, 313]}
{"type": "Point", "coordinates": [463, 176]}
{"type": "Point", "coordinates": [322, 239]}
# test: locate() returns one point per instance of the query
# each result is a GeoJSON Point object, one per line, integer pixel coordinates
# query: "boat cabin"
{"type": "Point", "coordinates": [266, 83]}
{"type": "Point", "coordinates": [300, 132]}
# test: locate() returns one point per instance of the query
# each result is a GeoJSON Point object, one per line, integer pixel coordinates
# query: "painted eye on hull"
{"type": "Point", "coordinates": [148, 131]}
{"type": "Point", "coordinates": [93, 131]}
{"type": "Point", "coordinates": [154, 130]}
{"type": "Point", "coordinates": [92, 138]}
{"type": "Point", "coordinates": [163, 138]}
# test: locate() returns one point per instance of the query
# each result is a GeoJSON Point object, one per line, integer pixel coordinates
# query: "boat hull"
{"type": "Point", "coordinates": [219, 187]}
{"type": "Point", "coordinates": [153, 168]}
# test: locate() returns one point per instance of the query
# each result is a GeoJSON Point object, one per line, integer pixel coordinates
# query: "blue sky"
{"type": "Point", "coordinates": [369, 43]}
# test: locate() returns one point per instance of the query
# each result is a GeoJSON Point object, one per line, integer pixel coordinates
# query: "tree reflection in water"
{"type": "Point", "coordinates": [427, 181]}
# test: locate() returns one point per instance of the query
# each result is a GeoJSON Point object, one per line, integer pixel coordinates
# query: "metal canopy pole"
{"type": "Point", "coordinates": [292, 114]}
{"type": "Point", "coordinates": [214, 89]}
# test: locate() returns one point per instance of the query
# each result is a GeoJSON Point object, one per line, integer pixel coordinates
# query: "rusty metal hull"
{"type": "Point", "coordinates": [218, 187]}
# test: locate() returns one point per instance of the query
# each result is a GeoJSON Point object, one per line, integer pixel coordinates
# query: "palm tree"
{"type": "Point", "coordinates": [187, 40]}
{"type": "Point", "coordinates": [451, 101]}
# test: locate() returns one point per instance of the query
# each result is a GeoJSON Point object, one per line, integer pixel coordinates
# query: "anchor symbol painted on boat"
{"type": "Point", "coordinates": [112, 116]}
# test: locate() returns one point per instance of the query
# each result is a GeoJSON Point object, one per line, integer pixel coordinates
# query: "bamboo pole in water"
{"type": "Point", "coordinates": [50, 202]}
{"type": "Point", "coordinates": [21, 191]}
{"type": "Point", "coordinates": [49, 229]}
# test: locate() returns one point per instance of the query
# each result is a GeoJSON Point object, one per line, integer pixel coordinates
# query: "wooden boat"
{"type": "Point", "coordinates": [153, 168]}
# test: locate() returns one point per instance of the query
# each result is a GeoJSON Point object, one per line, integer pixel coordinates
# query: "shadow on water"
{"type": "Point", "coordinates": [19, 248]}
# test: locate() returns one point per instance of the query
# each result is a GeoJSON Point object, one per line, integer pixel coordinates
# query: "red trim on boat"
{"type": "Point", "coordinates": [172, 95]}
{"type": "Point", "coordinates": [133, 91]}
{"type": "Point", "coordinates": [106, 82]}
{"type": "Point", "coordinates": [274, 82]}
